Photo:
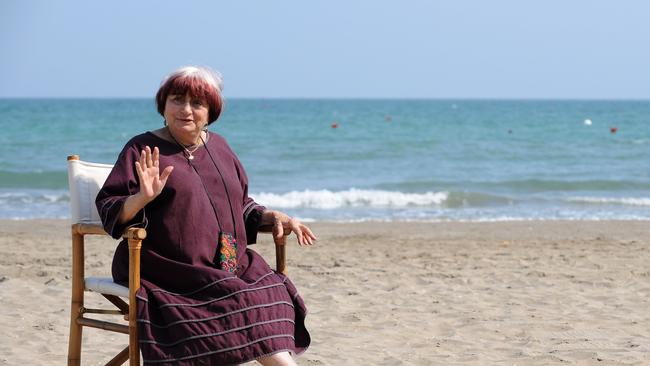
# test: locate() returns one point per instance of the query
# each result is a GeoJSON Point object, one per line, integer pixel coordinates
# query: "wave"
{"type": "Point", "coordinates": [32, 197]}
{"type": "Point", "coordinates": [571, 185]}
{"type": "Point", "coordinates": [640, 141]}
{"type": "Point", "coordinates": [524, 185]}
{"type": "Point", "coordinates": [34, 204]}
{"type": "Point", "coordinates": [325, 199]}
{"type": "Point", "coordinates": [628, 201]}
{"type": "Point", "coordinates": [358, 204]}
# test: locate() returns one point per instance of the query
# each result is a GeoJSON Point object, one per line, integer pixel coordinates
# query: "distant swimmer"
{"type": "Point", "coordinates": [334, 125]}
{"type": "Point", "coordinates": [587, 122]}
{"type": "Point", "coordinates": [613, 129]}
{"type": "Point", "coordinates": [388, 118]}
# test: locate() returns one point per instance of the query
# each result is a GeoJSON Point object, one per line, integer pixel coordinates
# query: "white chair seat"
{"type": "Point", "coordinates": [104, 285]}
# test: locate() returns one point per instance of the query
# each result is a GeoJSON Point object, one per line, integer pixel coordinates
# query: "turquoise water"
{"type": "Point", "coordinates": [387, 160]}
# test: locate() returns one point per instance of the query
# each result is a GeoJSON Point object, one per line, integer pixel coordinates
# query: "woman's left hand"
{"type": "Point", "coordinates": [282, 223]}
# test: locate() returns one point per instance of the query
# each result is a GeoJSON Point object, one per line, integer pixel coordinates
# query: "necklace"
{"type": "Point", "coordinates": [190, 152]}
{"type": "Point", "coordinates": [191, 149]}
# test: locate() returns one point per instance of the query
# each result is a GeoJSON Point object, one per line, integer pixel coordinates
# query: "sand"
{"type": "Point", "coordinates": [506, 293]}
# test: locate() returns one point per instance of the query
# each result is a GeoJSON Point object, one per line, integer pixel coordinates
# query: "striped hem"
{"type": "Point", "coordinates": [248, 326]}
{"type": "Point", "coordinates": [219, 298]}
{"type": "Point", "coordinates": [207, 286]}
{"type": "Point", "coordinates": [164, 326]}
{"type": "Point", "coordinates": [221, 350]}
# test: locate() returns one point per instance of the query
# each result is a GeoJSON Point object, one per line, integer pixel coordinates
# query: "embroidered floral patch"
{"type": "Point", "coordinates": [227, 252]}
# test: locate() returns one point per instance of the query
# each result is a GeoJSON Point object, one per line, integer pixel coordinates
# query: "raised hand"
{"type": "Point", "coordinates": [152, 181]}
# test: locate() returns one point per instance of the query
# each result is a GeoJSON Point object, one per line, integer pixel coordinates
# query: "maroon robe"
{"type": "Point", "coordinates": [190, 311]}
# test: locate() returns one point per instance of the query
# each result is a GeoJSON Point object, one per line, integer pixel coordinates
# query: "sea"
{"type": "Point", "coordinates": [354, 160]}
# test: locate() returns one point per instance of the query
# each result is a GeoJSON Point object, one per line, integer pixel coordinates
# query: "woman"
{"type": "Point", "coordinates": [205, 298]}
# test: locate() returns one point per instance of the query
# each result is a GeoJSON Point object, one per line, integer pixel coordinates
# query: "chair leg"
{"type": "Point", "coordinates": [133, 350]}
{"type": "Point", "coordinates": [74, 345]}
{"type": "Point", "coordinates": [135, 245]}
{"type": "Point", "coordinates": [120, 358]}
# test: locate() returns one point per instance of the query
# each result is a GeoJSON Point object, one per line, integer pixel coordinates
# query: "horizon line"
{"type": "Point", "coordinates": [568, 99]}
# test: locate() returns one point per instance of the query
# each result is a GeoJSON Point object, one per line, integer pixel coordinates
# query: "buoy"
{"type": "Point", "coordinates": [335, 125]}
{"type": "Point", "coordinates": [587, 122]}
{"type": "Point", "coordinates": [613, 129]}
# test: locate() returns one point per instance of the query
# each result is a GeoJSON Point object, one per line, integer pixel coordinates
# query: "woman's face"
{"type": "Point", "coordinates": [185, 115]}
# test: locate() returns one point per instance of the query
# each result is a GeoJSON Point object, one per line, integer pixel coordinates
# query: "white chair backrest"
{"type": "Point", "coordinates": [85, 180]}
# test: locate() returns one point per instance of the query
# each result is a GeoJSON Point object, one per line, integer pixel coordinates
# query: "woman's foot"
{"type": "Point", "coordinates": [278, 359]}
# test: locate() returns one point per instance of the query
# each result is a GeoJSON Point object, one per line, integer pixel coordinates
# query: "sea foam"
{"type": "Point", "coordinates": [326, 199]}
{"type": "Point", "coordinates": [630, 201]}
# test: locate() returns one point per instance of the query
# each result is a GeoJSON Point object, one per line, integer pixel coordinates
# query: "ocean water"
{"type": "Point", "coordinates": [427, 160]}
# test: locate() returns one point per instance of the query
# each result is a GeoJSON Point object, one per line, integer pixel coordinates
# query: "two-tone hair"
{"type": "Point", "coordinates": [197, 81]}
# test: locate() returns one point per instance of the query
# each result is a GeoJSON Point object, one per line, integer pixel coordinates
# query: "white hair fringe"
{"type": "Point", "coordinates": [205, 73]}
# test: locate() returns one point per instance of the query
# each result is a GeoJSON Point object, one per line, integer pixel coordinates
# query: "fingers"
{"type": "Point", "coordinates": [149, 158]}
{"type": "Point", "coordinates": [165, 174]}
{"type": "Point", "coordinates": [138, 169]}
{"type": "Point", "coordinates": [303, 233]}
{"type": "Point", "coordinates": [278, 230]}
{"type": "Point", "coordinates": [156, 156]}
{"type": "Point", "coordinates": [309, 234]}
{"type": "Point", "coordinates": [143, 159]}
{"type": "Point", "coordinates": [283, 223]}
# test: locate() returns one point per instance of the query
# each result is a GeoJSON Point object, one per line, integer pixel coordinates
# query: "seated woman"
{"type": "Point", "coordinates": [205, 298]}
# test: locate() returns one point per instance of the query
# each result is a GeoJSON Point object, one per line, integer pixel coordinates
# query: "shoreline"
{"type": "Point", "coordinates": [383, 221]}
{"type": "Point", "coordinates": [416, 293]}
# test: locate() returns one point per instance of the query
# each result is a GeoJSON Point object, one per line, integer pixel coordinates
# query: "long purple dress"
{"type": "Point", "coordinates": [190, 311]}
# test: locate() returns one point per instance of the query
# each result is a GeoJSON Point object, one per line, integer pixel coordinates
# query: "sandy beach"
{"type": "Point", "coordinates": [500, 293]}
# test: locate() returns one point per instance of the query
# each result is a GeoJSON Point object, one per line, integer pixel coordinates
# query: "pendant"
{"type": "Point", "coordinates": [191, 157]}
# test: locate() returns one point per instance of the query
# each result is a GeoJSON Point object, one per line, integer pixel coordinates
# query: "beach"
{"type": "Point", "coordinates": [390, 293]}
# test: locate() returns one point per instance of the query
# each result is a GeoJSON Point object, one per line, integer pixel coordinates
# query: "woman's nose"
{"type": "Point", "coordinates": [187, 107]}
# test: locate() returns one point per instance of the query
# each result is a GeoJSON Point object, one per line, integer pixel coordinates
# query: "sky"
{"type": "Point", "coordinates": [552, 49]}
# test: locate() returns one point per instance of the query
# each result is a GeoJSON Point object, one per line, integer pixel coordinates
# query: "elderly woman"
{"type": "Point", "coordinates": [205, 298]}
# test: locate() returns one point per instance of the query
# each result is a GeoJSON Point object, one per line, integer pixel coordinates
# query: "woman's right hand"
{"type": "Point", "coordinates": [152, 181]}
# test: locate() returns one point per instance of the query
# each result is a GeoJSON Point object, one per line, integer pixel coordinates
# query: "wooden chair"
{"type": "Point", "coordinates": [85, 180]}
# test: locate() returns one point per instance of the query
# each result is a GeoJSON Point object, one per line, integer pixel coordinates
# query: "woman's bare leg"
{"type": "Point", "coordinates": [278, 359]}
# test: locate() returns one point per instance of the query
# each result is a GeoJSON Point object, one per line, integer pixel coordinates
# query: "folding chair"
{"type": "Point", "coordinates": [85, 180]}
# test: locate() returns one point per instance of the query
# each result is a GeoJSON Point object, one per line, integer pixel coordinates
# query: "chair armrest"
{"type": "Point", "coordinates": [280, 248]}
{"type": "Point", "coordinates": [135, 234]}
{"type": "Point", "coordinates": [88, 229]}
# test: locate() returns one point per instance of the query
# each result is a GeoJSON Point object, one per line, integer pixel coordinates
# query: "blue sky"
{"type": "Point", "coordinates": [334, 49]}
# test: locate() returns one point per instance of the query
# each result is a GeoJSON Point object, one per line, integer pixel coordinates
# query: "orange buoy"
{"type": "Point", "coordinates": [335, 125]}
{"type": "Point", "coordinates": [613, 129]}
